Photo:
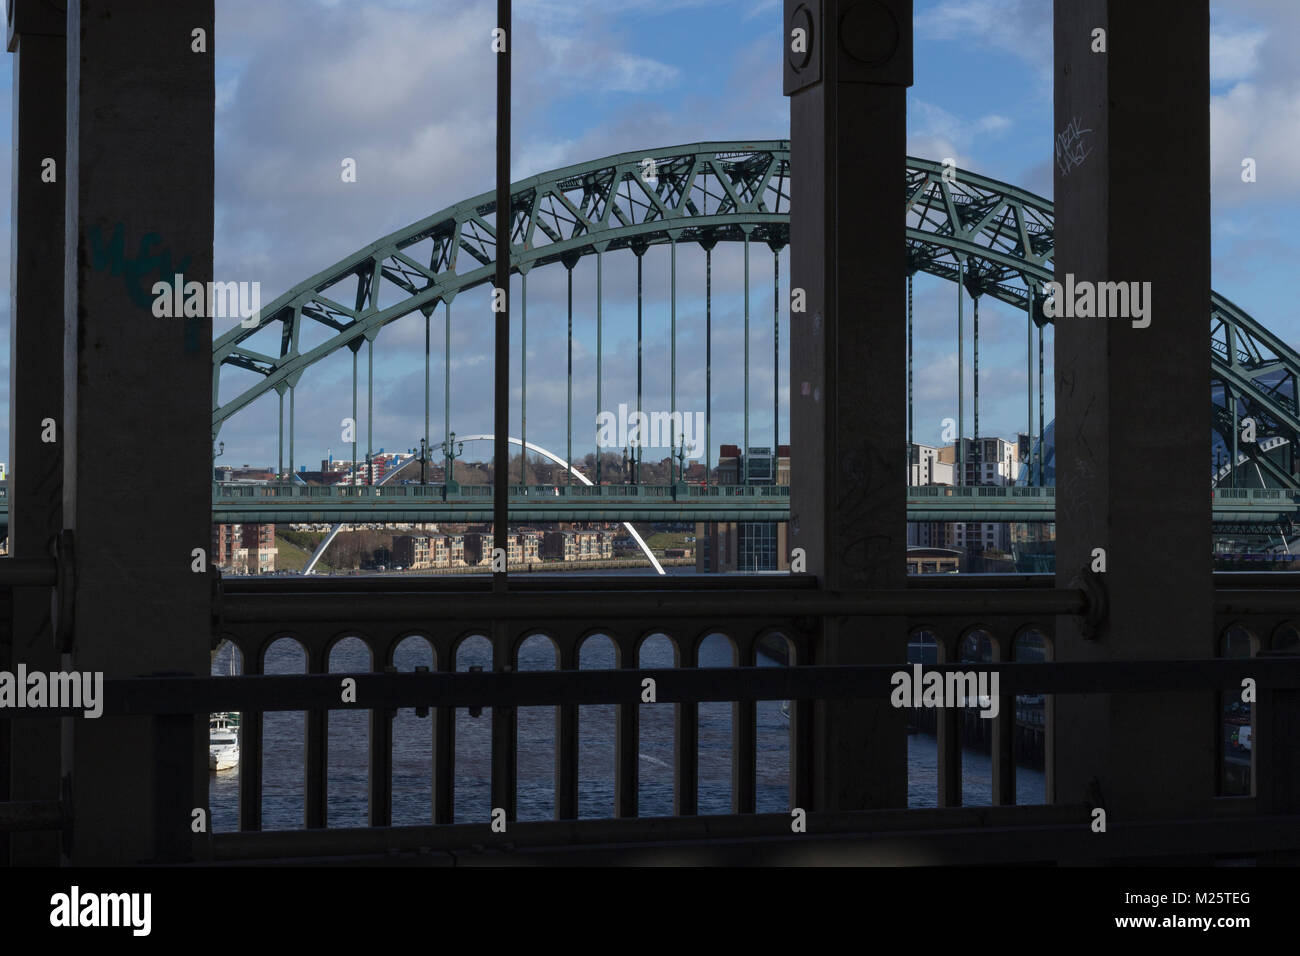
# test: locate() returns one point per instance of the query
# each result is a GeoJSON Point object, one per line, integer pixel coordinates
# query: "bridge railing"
{"type": "Point", "coordinates": [977, 623]}
{"type": "Point", "coordinates": [979, 491]}
{"type": "Point", "coordinates": [1257, 494]}
{"type": "Point", "coordinates": [223, 490]}
{"type": "Point", "coordinates": [980, 623]}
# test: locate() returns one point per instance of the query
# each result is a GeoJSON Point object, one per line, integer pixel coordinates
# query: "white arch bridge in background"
{"type": "Point", "coordinates": [645, 548]}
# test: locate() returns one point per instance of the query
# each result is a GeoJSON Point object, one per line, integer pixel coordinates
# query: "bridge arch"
{"type": "Point", "coordinates": [645, 548]}
{"type": "Point", "coordinates": [997, 238]}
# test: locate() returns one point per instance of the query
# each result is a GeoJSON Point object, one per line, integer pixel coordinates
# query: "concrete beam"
{"type": "Point", "coordinates": [1128, 391]}
{"type": "Point", "coordinates": [848, 64]}
{"type": "Point", "coordinates": [140, 191]}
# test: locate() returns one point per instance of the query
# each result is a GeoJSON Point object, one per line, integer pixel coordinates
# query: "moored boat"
{"type": "Point", "coordinates": [223, 741]}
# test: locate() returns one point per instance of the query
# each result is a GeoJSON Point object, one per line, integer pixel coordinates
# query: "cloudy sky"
{"type": "Point", "coordinates": [406, 88]}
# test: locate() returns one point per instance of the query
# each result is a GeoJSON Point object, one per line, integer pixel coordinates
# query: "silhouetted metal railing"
{"type": "Point", "coordinates": [382, 612]}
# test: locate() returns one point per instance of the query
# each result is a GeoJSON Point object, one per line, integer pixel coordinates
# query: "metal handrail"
{"type": "Point", "coordinates": [630, 604]}
{"type": "Point", "coordinates": [183, 695]}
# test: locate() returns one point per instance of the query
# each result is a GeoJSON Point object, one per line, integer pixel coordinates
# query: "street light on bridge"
{"type": "Point", "coordinates": [451, 450]}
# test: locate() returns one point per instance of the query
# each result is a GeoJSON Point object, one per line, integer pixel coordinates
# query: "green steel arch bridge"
{"type": "Point", "coordinates": [987, 237]}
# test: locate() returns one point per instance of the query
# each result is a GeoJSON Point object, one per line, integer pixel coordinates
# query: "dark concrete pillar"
{"type": "Point", "coordinates": [848, 153]}
{"type": "Point", "coordinates": [139, 209]}
{"type": "Point", "coordinates": [36, 40]}
{"type": "Point", "coordinates": [1132, 190]}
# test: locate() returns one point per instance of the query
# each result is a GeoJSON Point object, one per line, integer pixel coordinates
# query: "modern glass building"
{"type": "Point", "coordinates": [1028, 474]}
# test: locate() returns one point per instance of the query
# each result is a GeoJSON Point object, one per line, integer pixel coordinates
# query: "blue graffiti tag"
{"type": "Point", "coordinates": [113, 257]}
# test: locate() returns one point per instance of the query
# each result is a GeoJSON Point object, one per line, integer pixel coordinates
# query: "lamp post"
{"type": "Point", "coordinates": [451, 450]}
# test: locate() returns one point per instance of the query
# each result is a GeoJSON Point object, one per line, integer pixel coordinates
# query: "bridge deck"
{"type": "Point", "coordinates": [289, 502]}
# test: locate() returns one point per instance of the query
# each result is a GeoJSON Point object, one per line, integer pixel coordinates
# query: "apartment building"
{"type": "Point", "coordinates": [247, 548]}
{"type": "Point", "coordinates": [577, 545]}
{"type": "Point", "coordinates": [521, 548]}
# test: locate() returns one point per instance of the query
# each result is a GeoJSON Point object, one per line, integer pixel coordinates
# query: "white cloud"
{"type": "Point", "coordinates": [935, 133]}
{"type": "Point", "coordinates": [592, 65]}
{"type": "Point", "coordinates": [1261, 123]}
{"type": "Point", "coordinates": [1234, 56]}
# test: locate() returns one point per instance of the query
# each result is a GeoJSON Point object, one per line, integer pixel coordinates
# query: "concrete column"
{"type": "Point", "coordinates": [139, 209]}
{"type": "Point", "coordinates": [36, 40]}
{"type": "Point", "coordinates": [1132, 189]}
{"type": "Point", "coordinates": [848, 102]}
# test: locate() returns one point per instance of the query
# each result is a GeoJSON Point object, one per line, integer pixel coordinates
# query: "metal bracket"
{"type": "Point", "coordinates": [1097, 609]}
{"type": "Point", "coordinates": [63, 597]}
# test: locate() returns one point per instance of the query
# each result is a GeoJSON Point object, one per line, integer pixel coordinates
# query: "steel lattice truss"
{"type": "Point", "coordinates": [723, 192]}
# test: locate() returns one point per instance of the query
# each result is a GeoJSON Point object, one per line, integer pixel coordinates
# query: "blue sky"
{"type": "Point", "coordinates": [406, 87]}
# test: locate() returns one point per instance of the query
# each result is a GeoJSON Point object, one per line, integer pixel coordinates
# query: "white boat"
{"type": "Point", "coordinates": [223, 742]}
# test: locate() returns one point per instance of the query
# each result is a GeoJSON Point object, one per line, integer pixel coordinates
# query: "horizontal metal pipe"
{"type": "Point", "coordinates": [612, 603]}
{"type": "Point", "coordinates": [142, 696]}
{"type": "Point", "coordinates": [1249, 581]}
{"type": "Point", "coordinates": [436, 584]}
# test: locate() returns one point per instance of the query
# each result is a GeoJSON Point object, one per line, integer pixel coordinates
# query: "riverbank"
{"type": "Point", "coordinates": [557, 567]}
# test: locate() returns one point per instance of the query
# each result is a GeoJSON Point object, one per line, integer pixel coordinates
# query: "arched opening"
{"type": "Point", "coordinates": [772, 731]}
{"type": "Point", "coordinates": [283, 736]}
{"type": "Point", "coordinates": [976, 647]}
{"type": "Point", "coordinates": [1030, 733]}
{"type": "Point", "coordinates": [922, 730]}
{"type": "Point", "coordinates": [656, 733]}
{"type": "Point", "coordinates": [224, 783]}
{"type": "Point", "coordinates": [348, 753]}
{"type": "Point", "coordinates": [473, 777]}
{"type": "Point", "coordinates": [715, 751]}
{"type": "Point", "coordinates": [535, 737]}
{"type": "Point", "coordinates": [596, 743]}
{"type": "Point", "coordinates": [1236, 751]}
{"type": "Point", "coordinates": [412, 742]}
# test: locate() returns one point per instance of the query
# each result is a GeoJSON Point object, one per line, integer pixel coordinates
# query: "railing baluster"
{"type": "Point", "coordinates": [1003, 751]}
{"type": "Point", "coordinates": [744, 756]}
{"type": "Point", "coordinates": [948, 737]}
{"type": "Point", "coordinates": [949, 746]}
{"type": "Point", "coordinates": [381, 761]}
{"type": "Point", "coordinates": [686, 745]}
{"type": "Point", "coordinates": [444, 749]}
{"type": "Point", "coordinates": [626, 741]}
{"type": "Point", "coordinates": [250, 754]}
{"type": "Point", "coordinates": [316, 752]}
{"type": "Point", "coordinates": [566, 744]}
{"type": "Point", "coordinates": [801, 730]}
{"type": "Point", "coordinates": [505, 736]}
